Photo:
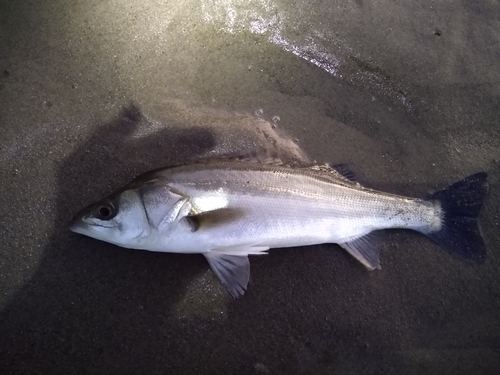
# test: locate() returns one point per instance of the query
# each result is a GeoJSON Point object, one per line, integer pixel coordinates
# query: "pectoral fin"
{"type": "Point", "coordinates": [365, 249]}
{"type": "Point", "coordinates": [210, 219]}
{"type": "Point", "coordinates": [232, 267]}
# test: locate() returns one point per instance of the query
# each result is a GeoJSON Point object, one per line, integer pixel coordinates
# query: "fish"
{"type": "Point", "coordinates": [228, 209]}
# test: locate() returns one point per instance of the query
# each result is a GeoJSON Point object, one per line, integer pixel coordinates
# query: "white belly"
{"type": "Point", "coordinates": [266, 223]}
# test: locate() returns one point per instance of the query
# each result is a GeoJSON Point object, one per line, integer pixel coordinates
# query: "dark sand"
{"type": "Point", "coordinates": [94, 92]}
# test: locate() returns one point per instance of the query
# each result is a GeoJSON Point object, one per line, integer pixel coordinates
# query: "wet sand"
{"type": "Point", "coordinates": [95, 93]}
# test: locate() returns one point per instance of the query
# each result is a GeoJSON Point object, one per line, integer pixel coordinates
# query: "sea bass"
{"type": "Point", "coordinates": [229, 209]}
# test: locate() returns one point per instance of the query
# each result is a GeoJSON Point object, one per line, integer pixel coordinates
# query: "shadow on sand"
{"type": "Point", "coordinates": [84, 291]}
{"type": "Point", "coordinates": [95, 308]}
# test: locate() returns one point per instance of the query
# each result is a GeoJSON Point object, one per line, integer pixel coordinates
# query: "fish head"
{"type": "Point", "coordinates": [119, 219]}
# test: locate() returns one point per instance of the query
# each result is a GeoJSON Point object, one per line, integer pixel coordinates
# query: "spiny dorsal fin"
{"type": "Point", "coordinates": [263, 156]}
{"type": "Point", "coordinates": [341, 171]}
{"type": "Point", "coordinates": [345, 171]}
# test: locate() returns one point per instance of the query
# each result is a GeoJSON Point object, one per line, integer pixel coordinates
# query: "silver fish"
{"type": "Point", "coordinates": [229, 209]}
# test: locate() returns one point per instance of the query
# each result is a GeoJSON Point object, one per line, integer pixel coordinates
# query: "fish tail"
{"type": "Point", "coordinates": [459, 231]}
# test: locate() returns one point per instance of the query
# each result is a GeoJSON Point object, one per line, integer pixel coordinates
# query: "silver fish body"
{"type": "Point", "coordinates": [228, 210]}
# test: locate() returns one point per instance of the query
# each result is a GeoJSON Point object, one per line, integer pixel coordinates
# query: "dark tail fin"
{"type": "Point", "coordinates": [461, 203]}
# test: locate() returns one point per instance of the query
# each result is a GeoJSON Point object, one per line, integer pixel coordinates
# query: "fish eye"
{"type": "Point", "coordinates": [105, 211]}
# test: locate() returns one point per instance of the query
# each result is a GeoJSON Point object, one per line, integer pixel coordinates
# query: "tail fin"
{"type": "Point", "coordinates": [461, 203]}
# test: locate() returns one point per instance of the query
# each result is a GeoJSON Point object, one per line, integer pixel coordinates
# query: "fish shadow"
{"type": "Point", "coordinates": [85, 293]}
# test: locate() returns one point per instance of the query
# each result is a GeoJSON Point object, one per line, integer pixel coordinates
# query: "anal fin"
{"type": "Point", "coordinates": [365, 249]}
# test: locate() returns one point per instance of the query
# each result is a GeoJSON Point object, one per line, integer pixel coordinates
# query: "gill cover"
{"type": "Point", "coordinates": [163, 205]}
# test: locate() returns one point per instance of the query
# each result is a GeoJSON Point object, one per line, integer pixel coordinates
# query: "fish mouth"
{"type": "Point", "coordinates": [78, 222]}
{"type": "Point", "coordinates": [83, 224]}
{"type": "Point", "coordinates": [77, 226]}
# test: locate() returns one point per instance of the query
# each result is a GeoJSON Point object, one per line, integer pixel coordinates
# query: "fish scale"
{"type": "Point", "coordinates": [229, 209]}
